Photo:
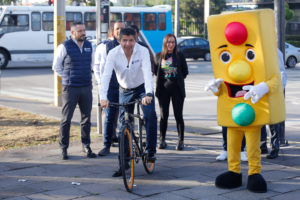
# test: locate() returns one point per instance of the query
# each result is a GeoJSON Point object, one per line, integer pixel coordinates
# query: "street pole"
{"type": "Point", "coordinates": [206, 14]}
{"type": "Point", "coordinates": [280, 32]}
{"type": "Point", "coordinates": [102, 24]}
{"type": "Point", "coordinates": [280, 24]}
{"type": "Point", "coordinates": [59, 37]}
{"type": "Point", "coordinates": [177, 19]}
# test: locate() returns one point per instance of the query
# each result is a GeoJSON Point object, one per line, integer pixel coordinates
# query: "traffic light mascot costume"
{"type": "Point", "coordinates": [248, 85]}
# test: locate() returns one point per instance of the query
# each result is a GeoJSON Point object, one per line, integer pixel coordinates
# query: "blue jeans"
{"type": "Point", "coordinates": [275, 135]}
{"type": "Point", "coordinates": [126, 96]}
{"type": "Point", "coordinates": [111, 115]}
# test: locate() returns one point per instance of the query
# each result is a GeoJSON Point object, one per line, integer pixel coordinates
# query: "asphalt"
{"type": "Point", "coordinates": [38, 173]}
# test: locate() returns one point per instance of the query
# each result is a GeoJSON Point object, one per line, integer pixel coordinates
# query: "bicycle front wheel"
{"type": "Point", "coordinates": [127, 159]}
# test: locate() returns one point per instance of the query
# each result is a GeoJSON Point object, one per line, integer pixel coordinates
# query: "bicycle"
{"type": "Point", "coordinates": [132, 147]}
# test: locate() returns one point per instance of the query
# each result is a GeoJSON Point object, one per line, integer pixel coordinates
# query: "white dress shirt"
{"type": "Point", "coordinates": [130, 75]}
{"type": "Point", "coordinates": [100, 58]}
{"type": "Point", "coordinates": [59, 56]}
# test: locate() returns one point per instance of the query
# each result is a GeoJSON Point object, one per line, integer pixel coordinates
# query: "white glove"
{"type": "Point", "coordinates": [256, 92]}
{"type": "Point", "coordinates": [213, 85]}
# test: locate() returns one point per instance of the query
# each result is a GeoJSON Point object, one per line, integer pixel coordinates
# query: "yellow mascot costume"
{"type": "Point", "coordinates": [248, 85]}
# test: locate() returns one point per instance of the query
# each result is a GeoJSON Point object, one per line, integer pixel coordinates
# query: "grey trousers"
{"type": "Point", "coordinates": [71, 96]}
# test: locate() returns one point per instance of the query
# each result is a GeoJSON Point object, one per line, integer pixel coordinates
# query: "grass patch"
{"type": "Point", "coordinates": [21, 129]}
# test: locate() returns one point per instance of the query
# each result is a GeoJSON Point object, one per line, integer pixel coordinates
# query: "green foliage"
{"type": "Point", "coordinates": [217, 6]}
{"type": "Point", "coordinates": [293, 40]}
{"type": "Point", "coordinates": [7, 2]}
{"type": "Point", "coordinates": [289, 14]}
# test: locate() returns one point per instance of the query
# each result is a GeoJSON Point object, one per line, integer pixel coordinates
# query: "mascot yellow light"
{"type": "Point", "coordinates": [248, 85]}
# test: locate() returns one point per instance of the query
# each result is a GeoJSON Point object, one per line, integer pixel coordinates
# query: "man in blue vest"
{"type": "Point", "coordinates": [73, 63]}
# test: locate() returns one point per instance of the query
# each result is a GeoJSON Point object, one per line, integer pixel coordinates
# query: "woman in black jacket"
{"type": "Point", "coordinates": [171, 70]}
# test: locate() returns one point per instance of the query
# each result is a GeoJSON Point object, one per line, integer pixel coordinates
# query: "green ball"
{"type": "Point", "coordinates": [243, 114]}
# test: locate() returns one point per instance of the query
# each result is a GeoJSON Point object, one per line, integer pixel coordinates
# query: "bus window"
{"type": "Point", "coordinates": [132, 18]}
{"type": "Point", "coordinates": [161, 21]}
{"type": "Point", "coordinates": [48, 21]}
{"type": "Point", "coordinates": [13, 23]}
{"type": "Point", "coordinates": [149, 21]}
{"type": "Point", "coordinates": [113, 17]}
{"type": "Point", "coordinates": [36, 21]}
{"type": "Point", "coordinates": [90, 20]}
{"type": "Point", "coordinates": [72, 17]}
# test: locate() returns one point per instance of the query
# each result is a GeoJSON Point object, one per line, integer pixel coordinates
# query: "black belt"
{"type": "Point", "coordinates": [131, 89]}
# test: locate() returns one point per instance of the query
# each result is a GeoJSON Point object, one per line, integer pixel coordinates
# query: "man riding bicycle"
{"type": "Point", "coordinates": [132, 66]}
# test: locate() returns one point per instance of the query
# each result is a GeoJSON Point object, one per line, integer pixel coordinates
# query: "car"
{"type": "Point", "coordinates": [194, 47]}
{"type": "Point", "coordinates": [292, 55]}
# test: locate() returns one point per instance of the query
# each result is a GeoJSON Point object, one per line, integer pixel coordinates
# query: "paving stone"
{"type": "Point", "coordinates": [67, 193]}
{"type": "Point", "coordinates": [287, 196]}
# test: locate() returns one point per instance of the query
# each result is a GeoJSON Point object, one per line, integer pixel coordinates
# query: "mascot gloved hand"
{"type": "Point", "coordinates": [214, 85]}
{"type": "Point", "coordinates": [256, 92]}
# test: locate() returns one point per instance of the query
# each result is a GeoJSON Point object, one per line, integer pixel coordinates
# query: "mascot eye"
{"type": "Point", "coordinates": [250, 55]}
{"type": "Point", "coordinates": [225, 57]}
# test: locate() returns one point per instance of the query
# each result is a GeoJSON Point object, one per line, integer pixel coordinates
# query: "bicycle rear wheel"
{"type": "Point", "coordinates": [127, 159]}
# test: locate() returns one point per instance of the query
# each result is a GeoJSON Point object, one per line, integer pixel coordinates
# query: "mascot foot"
{"type": "Point", "coordinates": [257, 183]}
{"type": "Point", "coordinates": [229, 180]}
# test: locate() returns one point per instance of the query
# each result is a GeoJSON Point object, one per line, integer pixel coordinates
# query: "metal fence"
{"type": "Point", "coordinates": [191, 28]}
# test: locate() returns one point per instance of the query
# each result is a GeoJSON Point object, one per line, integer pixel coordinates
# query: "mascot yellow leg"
{"type": "Point", "coordinates": [233, 178]}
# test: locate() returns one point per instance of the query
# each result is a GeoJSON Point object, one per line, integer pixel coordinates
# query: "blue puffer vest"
{"type": "Point", "coordinates": [76, 65]}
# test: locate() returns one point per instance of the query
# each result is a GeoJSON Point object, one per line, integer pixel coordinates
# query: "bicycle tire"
{"type": "Point", "coordinates": [127, 167]}
{"type": "Point", "coordinates": [149, 166]}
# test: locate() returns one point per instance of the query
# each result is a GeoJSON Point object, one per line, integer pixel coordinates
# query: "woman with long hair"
{"type": "Point", "coordinates": [171, 70]}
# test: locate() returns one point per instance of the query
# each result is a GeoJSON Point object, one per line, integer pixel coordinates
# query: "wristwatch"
{"type": "Point", "coordinates": [149, 95]}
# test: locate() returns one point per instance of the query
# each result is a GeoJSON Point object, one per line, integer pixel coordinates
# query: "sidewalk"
{"type": "Point", "coordinates": [39, 173]}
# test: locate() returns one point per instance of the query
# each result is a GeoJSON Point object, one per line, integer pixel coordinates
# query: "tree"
{"type": "Point", "coordinates": [289, 14]}
{"type": "Point", "coordinates": [7, 2]}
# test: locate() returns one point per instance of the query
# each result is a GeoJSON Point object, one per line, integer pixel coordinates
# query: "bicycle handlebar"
{"type": "Point", "coordinates": [123, 104]}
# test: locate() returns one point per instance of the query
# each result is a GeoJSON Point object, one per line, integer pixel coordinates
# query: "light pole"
{"type": "Point", "coordinates": [177, 20]}
{"type": "Point", "coordinates": [59, 37]}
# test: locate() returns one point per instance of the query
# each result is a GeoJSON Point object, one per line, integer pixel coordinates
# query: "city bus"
{"type": "Point", "coordinates": [26, 32]}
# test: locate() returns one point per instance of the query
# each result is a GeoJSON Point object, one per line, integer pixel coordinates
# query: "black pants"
{"type": "Point", "coordinates": [164, 104]}
{"type": "Point", "coordinates": [71, 96]}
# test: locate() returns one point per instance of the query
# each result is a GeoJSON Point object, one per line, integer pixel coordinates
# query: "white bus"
{"type": "Point", "coordinates": [26, 32]}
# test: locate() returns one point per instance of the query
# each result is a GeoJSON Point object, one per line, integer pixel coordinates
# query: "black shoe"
{"type": "Point", "coordinates": [104, 152]}
{"type": "Point", "coordinates": [256, 183]}
{"type": "Point", "coordinates": [273, 154]}
{"type": "Point", "coordinates": [64, 154]}
{"type": "Point", "coordinates": [264, 148]}
{"type": "Point", "coordinates": [229, 180]}
{"type": "Point", "coordinates": [114, 139]}
{"type": "Point", "coordinates": [117, 173]}
{"type": "Point", "coordinates": [163, 144]}
{"type": "Point", "coordinates": [180, 146]}
{"type": "Point", "coordinates": [88, 151]}
{"type": "Point", "coordinates": [151, 158]}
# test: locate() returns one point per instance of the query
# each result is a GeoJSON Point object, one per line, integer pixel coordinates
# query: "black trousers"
{"type": "Point", "coordinates": [164, 104]}
{"type": "Point", "coordinates": [71, 96]}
